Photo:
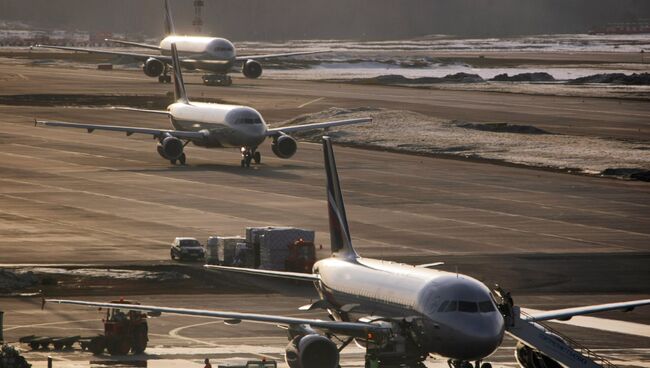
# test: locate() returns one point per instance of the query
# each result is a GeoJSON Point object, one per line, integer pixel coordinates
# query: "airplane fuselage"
{"type": "Point", "coordinates": [223, 125]}
{"type": "Point", "coordinates": [202, 48]}
{"type": "Point", "coordinates": [470, 329]}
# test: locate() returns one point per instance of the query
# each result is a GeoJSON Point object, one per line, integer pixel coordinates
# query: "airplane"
{"type": "Point", "coordinates": [210, 125]}
{"type": "Point", "coordinates": [212, 54]}
{"type": "Point", "coordinates": [400, 313]}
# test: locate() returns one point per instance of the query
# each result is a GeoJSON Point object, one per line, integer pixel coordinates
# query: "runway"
{"type": "Point", "coordinates": [555, 239]}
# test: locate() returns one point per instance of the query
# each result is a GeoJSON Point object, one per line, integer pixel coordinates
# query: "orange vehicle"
{"type": "Point", "coordinates": [301, 258]}
{"type": "Point", "coordinates": [124, 331]}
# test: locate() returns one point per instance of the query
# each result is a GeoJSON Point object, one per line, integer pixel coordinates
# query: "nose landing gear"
{"type": "Point", "coordinates": [465, 364]}
{"type": "Point", "coordinates": [250, 154]}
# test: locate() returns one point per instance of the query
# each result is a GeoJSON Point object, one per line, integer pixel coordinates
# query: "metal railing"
{"type": "Point", "coordinates": [598, 359]}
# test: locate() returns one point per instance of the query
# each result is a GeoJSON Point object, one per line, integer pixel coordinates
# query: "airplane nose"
{"type": "Point", "coordinates": [478, 338]}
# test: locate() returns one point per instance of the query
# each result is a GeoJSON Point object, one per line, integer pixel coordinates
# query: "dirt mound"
{"type": "Point", "coordinates": [641, 79]}
{"type": "Point", "coordinates": [500, 127]}
{"type": "Point", "coordinates": [12, 281]}
{"type": "Point", "coordinates": [392, 79]}
{"type": "Point", "coordinates": [627, 173]}
{"type": "Point", "coordinates": [524, 77]}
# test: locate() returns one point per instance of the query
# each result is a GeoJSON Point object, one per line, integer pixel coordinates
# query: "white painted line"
{"type": "Point", "coordinates": [311, 102]}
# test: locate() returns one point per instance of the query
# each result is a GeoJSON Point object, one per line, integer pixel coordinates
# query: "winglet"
{"type": "Point", "coordinates": [169, 21]}
{"type": "Point", "coordinates": [179, 85]}
{"type": "Point", "coordinates": [339, 231]}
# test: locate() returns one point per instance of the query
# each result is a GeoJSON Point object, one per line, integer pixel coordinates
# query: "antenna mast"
{"type": "Point", "coordinates": [198, 18]}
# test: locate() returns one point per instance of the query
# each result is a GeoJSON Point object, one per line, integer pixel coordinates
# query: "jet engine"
{"type": "Point", "coordinates": [170, 148]}
{"type": "Point", "coordinates": [312, 351]}
{"type": "Point", "coordinates": [252, 69]}
{"type": "Point", "coordinates": [528, 357]}
{"type": "Point", "coordinates": [153, 67]}
{"type": "Point", "coordinates": [284, 146]}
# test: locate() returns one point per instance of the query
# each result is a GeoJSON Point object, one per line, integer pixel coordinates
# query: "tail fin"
{"type": "Point", "coordinates": [169, 21]}
{"type": "Point", "coordinates": [179, 85]}
{"type": "Point", "coordinates": [339, 231]}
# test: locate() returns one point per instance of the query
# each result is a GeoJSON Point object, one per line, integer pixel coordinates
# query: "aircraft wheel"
{"type": "Point", "coordinates": [257, 157]}
{"type": "Point", "coordinates": [248, 161]}
{"type": "Point", "coordinates": [182, 159]}
{"type": "Point", "coordinates": [227, 81]}
{"type": "Point", "coordinates": [161, 79]}
{"type": "Point", "coordinates": [168, 78]}
{"type": "Point", "coordinates": [486, 365]}
{"type": "Point", "coordinates": [173, 162]}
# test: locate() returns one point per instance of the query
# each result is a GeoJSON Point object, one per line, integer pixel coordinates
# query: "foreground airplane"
{"type": "Point", "coordinates": [211, 126]}
{"type": "Point", "coordinates": [403, 313]}
{"type": "Point", "coordinates": [212, 54]}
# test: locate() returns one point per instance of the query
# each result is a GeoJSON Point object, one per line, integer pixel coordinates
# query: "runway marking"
{"type": "Point", "coordinates": [603, 324]}
{"type": "Point", "coordinates": [175, 334]}
{"type": "Point", "coordinates": [311, 102]}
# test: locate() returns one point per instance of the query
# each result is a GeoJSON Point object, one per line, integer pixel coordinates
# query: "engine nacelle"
{"type": "Point", "coordinates": [153, 67]}
{"type": "Point", "coordinates": [528, 357]}
{"type": "Point", "coordinates": [284, 146]}
{"type": "Point", "coordinates": [252, 69]}
{"type": "Point", "coordinates": [312, 351]}
{"type": "Point", "coordinates": [170, 148]}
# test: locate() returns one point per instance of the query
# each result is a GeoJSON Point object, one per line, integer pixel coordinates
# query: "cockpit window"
{"type": "Point", "coordinates": [452, 306]}
{"type": "Point", "coordinates": [249, 121]}
{"type": "Point", "coordinates": [222, 48]}
{"type": "Point", "coordinates": [468, 307]}
{"type": "Point", "coordinates": [443, 306]}
{"type": "Point", "coordinates": [486, 306]}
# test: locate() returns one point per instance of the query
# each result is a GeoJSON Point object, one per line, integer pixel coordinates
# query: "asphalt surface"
{"type": "Point", "coordinates": [556, 239]}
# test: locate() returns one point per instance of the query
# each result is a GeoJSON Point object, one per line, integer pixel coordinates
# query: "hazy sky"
{"type": "Point", "coordinates": [368, 19]}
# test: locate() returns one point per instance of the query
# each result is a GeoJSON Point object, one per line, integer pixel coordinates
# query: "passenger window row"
{"type": "Point", "coordinates": [467, 307]}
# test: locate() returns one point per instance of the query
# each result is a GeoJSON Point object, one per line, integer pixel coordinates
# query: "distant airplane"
{"type": "Point", "coordinates": [211, 126]}
{"type": "Point", "coordinates": [400, 313]}
{"type": "Point", "coordinates": [212, 54]}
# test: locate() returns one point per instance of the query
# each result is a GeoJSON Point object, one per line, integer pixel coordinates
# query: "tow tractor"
{"type": "Point", "coordinates": [251, 364]}
{"type": "Point", "coordinates": [124, 331]}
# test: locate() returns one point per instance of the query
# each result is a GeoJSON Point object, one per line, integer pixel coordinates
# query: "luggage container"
{"type": "Point", "coordinates": [227, 249]}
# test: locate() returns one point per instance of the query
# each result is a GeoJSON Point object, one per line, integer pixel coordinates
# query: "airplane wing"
{"type": "Point", "coordinates": [128, 130]}
{"type": "Point", "coordinates": [280, 274]}
{"type": "Point", "coordinates": [160, 112]}
{"type": "Point", "coordinates": [327, 124]}
{"type": "Point", "coordinates": [346, 328]}
{"type": "Point", "coordinates": [140, 57]}
{"type": "Point", "coordinates": [566, 314]}
{"type": "Point", "coordinates": [272, 56]}
{"type": "Point", "coordinates": [129, 43]}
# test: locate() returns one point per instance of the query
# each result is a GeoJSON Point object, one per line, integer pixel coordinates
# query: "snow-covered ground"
{"type": "Point", "coordinates": [413, 132]}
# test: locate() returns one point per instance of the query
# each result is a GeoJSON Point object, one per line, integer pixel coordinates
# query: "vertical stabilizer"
{"type": "Point", "coordinates": [177, 76]}
{"type": "Point", "coordinates": [169, 21]}
{"type": "Point", "coordinates": [339, 230]}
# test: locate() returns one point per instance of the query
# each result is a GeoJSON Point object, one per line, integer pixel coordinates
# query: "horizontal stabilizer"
{"type": "Point", "coordinates": [430, 265]}
{"type": "Point", "coordinates": [269, 273]}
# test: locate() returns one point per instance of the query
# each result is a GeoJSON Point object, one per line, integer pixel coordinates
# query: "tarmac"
{"type": "Point", "coordinates": [555, 239]}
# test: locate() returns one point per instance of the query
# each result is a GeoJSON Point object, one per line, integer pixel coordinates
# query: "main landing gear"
{"type": "Point", "coordinates": [165, 77]}
{"type": "Point", "coordinates": [248, 155]}
{"type": "Point", "coordinates": [217, 80]}
{"type": "Point", "coordinates": [181, 160]}
{"type": "Point", "coordinates": [466, 364]}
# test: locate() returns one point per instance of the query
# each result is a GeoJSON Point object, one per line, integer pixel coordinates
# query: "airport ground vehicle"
{"type": "Point", "coordinates": [186, 248]}
{"type": "Point", "coordinates": [124, 331]}
{"type": "Point", "coordinates": [302, 256]}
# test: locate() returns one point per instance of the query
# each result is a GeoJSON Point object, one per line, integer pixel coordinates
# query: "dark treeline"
{"type": "Point", "coordinates": [359, 19]}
